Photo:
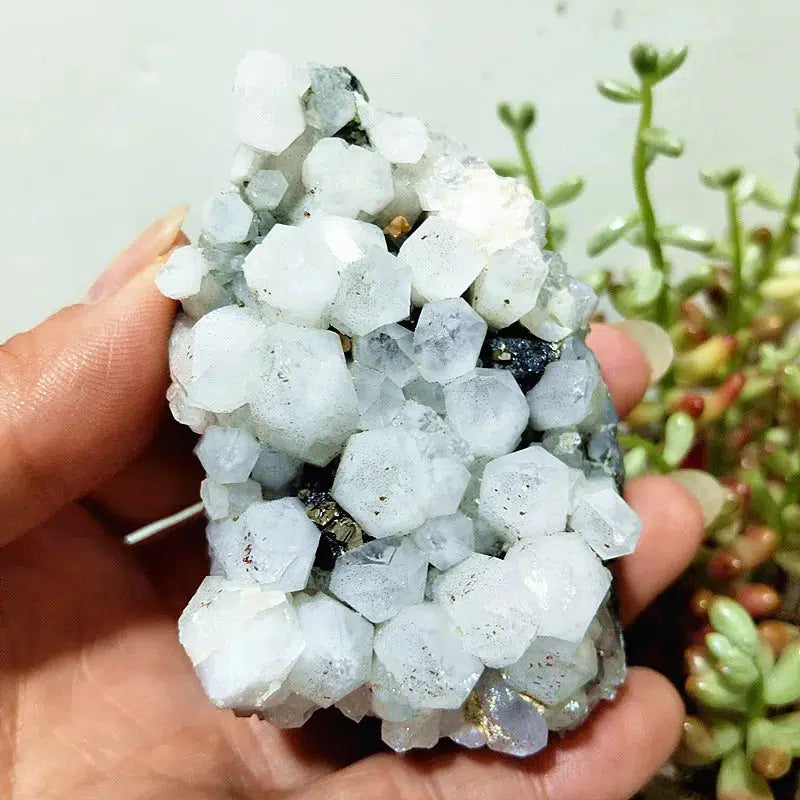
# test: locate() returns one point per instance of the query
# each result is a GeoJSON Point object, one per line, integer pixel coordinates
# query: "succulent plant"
{"type": "Point", "coordinates": [723, 418]}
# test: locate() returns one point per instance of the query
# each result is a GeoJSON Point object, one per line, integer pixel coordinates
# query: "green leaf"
{"type": "Point", "coordinates": [635, 462]}
{"type": "Point", "coordinates": [687, 237]}
{"type": "Point", "coordinates": [709, 689]}
{"type": "Point", "coordinates": [662, 141]}
{"type": "Point", "coordinates": [732, 663]}
{"type": "Point", "coordinates": [506, 115]}
{"type": "Point", "coordinates": [619, 92]}
{"type": "Point", "coordinates": [730, 619]}
{"type": "Point", "coordinates": [745, 188]}
{"type": "Point", "coordinates": [736, 779]}
{"type": "Point", "coordinates": [767, 196]}
{"type": "Point", "coordinates": [670, 61]}
{"type": "Point", "coordinates": [678, 437]}
{"type": "Point", "coordinates": [557, 230]}
{"type": "Point", "coordinates": [723, 178]}
{"type": "Point", "coordinates": [526, 117]}
{"type": "Point", "coordinates": [564, 192]}
{"type": "Point", "coordinates": [611, 233]}
{"type": "Point", "coordinates": [644, 283]}
{"type": "Point", "coordinates": [507, 169]}
{"type": "Point", "coordinates": [782, 685]}
{"type": "Point", "coordinates": [644, 59]}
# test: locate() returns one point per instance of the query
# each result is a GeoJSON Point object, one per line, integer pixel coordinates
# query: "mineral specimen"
{"type": "Point", "coordinates": [411, 457]}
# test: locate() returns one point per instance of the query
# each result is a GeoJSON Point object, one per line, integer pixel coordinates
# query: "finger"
{"type": "Point", "coordinates": [595, 761]}
{"type": "Point", "coordinates": [622, 364]}
{"type": "Point", "coordinates": [671, 533]}
{"type": "Point", "coordinates": [81, 394]}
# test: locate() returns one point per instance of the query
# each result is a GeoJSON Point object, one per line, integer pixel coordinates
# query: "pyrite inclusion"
{"type": "Point", "coordinates": [412, 461]}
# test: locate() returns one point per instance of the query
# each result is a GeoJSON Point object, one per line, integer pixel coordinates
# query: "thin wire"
{"type": "Point", "coordinates": [153, 528]}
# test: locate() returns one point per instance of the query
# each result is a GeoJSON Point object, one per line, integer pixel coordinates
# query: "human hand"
{"type": "Point", "coordinates": [97, 698]}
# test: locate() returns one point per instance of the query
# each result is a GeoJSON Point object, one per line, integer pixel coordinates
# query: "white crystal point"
{"type": "Point", "coordinates": [511, 722]}
{"type": "Point", "coordinates": [374, 291]}
{"type": "Point", "coordinates": [273, 544]}
{"type": "Point", "coordinates": [420, 732]}
{"type": "Point", "coordinates": [568, 579]}
{"type": "Point", "coordinates": [510, 283]}
{"type": "Point", "coordinates": [227, 219]}
{"type": "Point", "coordinates": [331, 103]}
{"type": "Point", "coordinates": [337, 658]}
{"type": "Point", "coordinates": [447, 339]}
{"type": "Point", "coordinates": [228, 499]}
{"type": "Point", "coordinates": [243, 641]}
{"type": "Point", "coordinates": [444, 259]}
{"type": "Point", "coordinates": [426, 393]}
{"type": "Point", "coordinates": [387, 700]}
{"type": "Point", "coordinates": [551, 670]}
{"type": "Point", "coordinates": [398, 138]}
{"type": "Point", "coordinates": [496, 616]}
{"type": "Point", "coordinates": [266, 189]}
{"type": "Point", "coordinates": [246, 163]}
{"type": "Point", "coordinates": [304, 403]}
{"type": "Point", "coordinates": [382, 482]}
{"type": "Point", "coordinates": [293, 711]}
{"type": "Point", "coordinates": [488, 409]}
{"type": "Point", "coordinates": [356, 705]}
{"type": "Point", "coordinates": [422, 652]}
{"type": "Point", "coordinates": [221, 356]}
{"type": "Point", "coordinates": [347, 179]}
{"type": "Point", "coordinates": [182, 274]}
{"type": "Point", "coordinates": [276, 471]}
{"type": "Point", "coordinates": [607, 523]}
{"type": "Point", "coordinates": [406, 200]}
{"type": "Point", "coordinates": [446, 541]}
{"type": "Point", "coordinates": [380, 578]}
{"type": "Point", "coordinates": [564, 395]}
{"type": "Point", "coordinates": [525, 494]}
{"type": "Point", "coordinates": [379, 398]}
{"type": "Point", "coordinates": [564, 304]}
{"type": "Point", "coordinates": [348, 239]}
{"type": "Point", "coordinates": [387, 349]}
{"type": "Point", "coordinates": [198, 419]}
{"type": "Point", "coordinates": [270, 112]}
{"type": "Point", "coordinates": [294, 272]}
{"type": "Point", "coordinates": [228, 455]}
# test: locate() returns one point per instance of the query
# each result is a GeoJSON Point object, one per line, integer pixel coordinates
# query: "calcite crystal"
{"type": "Point", "coordinates": [412, 467]}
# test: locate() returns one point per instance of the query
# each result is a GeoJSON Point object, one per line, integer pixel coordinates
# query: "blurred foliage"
{"type": "Point", "coordinates": [722, 417]}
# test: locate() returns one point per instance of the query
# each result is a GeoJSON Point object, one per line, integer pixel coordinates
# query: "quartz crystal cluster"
{"type": "Point", "coordinates": [412, 466]}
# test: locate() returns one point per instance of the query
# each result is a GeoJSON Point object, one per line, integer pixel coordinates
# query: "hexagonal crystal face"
{"type": "Point", "coordinates": [411, 461]}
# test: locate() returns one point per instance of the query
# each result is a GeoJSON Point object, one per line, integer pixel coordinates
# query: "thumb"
{"type": "Point", "coordinates": [82, 393]}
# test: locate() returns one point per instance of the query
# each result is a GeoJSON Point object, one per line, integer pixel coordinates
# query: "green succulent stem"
{"type": "Point", "coordinates": [783, 244]}
{"type": "Point", "coordinates": [737, 259]}
{"type": "Point", "coordinates": [649, 227]}
{"type": "Point", "coordinates": [529, 168]}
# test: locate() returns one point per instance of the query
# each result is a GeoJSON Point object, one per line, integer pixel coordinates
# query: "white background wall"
{"type": "Point", "coordinates": [114, 111]}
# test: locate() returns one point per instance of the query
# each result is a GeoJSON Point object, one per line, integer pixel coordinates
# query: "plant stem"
{"type": "Point", "coordinates": [783, 244]}
{"type": "Point", "coordinates": [735, 233]}
{"type": "Point", "coordinates": [520, 139]}
{"type": "Point", "coordinates": [646, 206]}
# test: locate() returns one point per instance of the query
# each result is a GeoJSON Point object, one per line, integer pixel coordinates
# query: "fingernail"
{"type": "Point", "coordinates": [152, 243]}
{"type": "Point", "coordinates": [653, 341]}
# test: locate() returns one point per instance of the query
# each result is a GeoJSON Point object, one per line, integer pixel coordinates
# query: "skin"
{"type": "Point", "coordinates": [97, 698]}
